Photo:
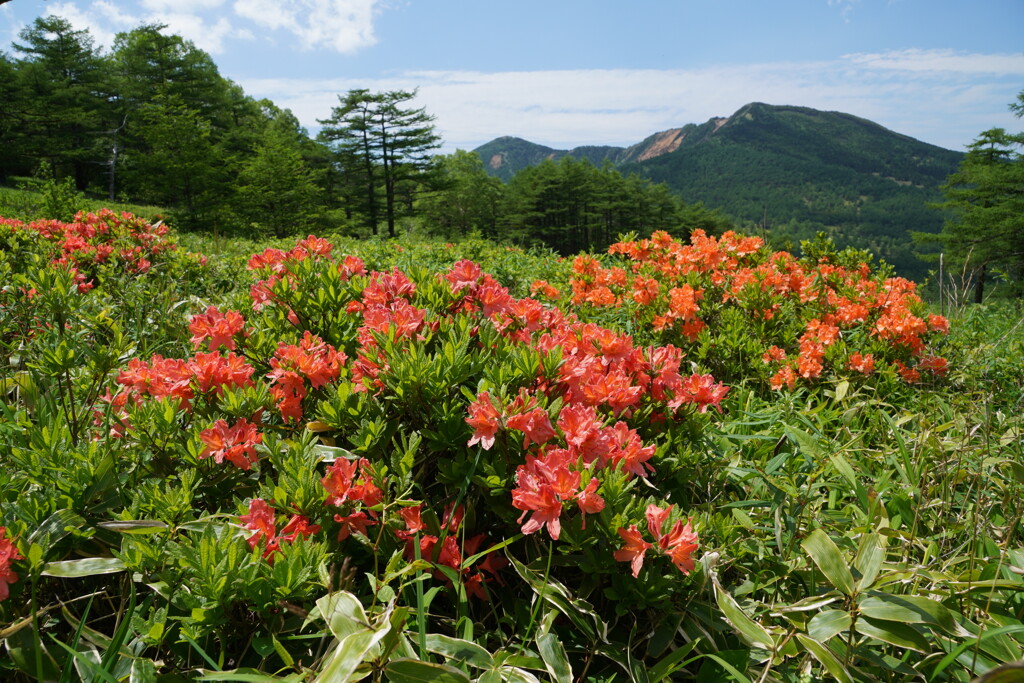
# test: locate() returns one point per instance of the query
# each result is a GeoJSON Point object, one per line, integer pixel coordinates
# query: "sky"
{"type": "Point", "coordinates": [565, 73]}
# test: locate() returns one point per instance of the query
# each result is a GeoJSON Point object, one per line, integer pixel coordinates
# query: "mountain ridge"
{"type": "Point", "coordinates": [786, 170]}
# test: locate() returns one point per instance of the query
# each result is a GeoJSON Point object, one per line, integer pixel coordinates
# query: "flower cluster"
{"type": "Point", "coordinates": [312, 360]}
{"type": "Point", "coordinates": [104, 237]}
{"type": "Point", "coordinates": [8, 554]}
{"type": "Point", "coordinates": [262, 520]}
{"type": "Point", "coordinates": [235, 443]}
{"type": "Point", "coordinates": [576, 417]}
{"type": "Point", "coordinates": [216, 328]}
{"type": "Point", "coordinates": [446, 550]}
{"type": "Point", "coordinates": [851, 320]}
{"type": "Point", "coordinates": [349, 485]}
{"type": "Point", "coordinates": [678, 543]}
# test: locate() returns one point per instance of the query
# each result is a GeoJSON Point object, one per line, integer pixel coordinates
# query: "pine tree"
{"type": "Point", "coordinates": [383, 147]}
{"type": "Point", "coordinates": [985, 197]}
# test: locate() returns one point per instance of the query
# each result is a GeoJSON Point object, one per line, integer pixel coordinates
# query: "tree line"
{"type": "Point", "coordinates": [152, 121]}
{"type": "Point", "coordinates": [983, 236]}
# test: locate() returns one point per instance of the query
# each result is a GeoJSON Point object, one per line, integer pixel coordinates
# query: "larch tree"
{"type": "Point", "coordinates": [985, 199]}
{"type": "Point", "coordinates": [383, 147]}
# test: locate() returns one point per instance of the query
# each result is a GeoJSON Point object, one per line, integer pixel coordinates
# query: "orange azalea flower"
{"type": "Point", "coordinates": [544, 289]}
{"type": "Point", "coordinates": [297, 526]}
{"type": "Point", "coordinates": [774, 353]}
{"type": "Point", "coordinates": [212, 371]}
{"type": "Point", "coordinates": [8, 554]}
{"type": "Point", "coordinates": [485, 420]}
{"type": "Point", "coordinates": [937, 365]}
{"type": "Point", "coordinates": [701, 390]}
{"type": "Point", "coordinates": [909, 375]}
{"type": "Point", "coordinates": [261, 520]}
{"type": "Point", "coordinates": [785, 377]}
{"type": "Point", "coordinates": [540, 498]}
{"type": "Point", "coordinates": [535, 426]}
{"type": "Point", "coordinates": [236, 443]}
{"type": "Point", "coordinates": [634, 550]}
{"type": "Point", "coordinates": [938, 323]}
{"type": "Point", "coordinates": [463, 274]}
{"type": "Point", "coordinates": [219, 328]}
{"type": "Point", "coordinates": [862, 363]}
{"type": "Point", "coordinates": [357, 522]}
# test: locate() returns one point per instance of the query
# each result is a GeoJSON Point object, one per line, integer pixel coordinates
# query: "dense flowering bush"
{"type": "Point", "coordinates": [120, 241]}
{"type": "Point", "coordinates": [557, 401]}
{"type": "Point", "coordinates": [604, 465]}
{"type": "Point", "coordinates": [728, 301]}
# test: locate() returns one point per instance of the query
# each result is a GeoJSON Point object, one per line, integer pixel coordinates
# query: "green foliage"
{"type": "Point", "coordinates": [984, 202]}
{"type": "Point", "coordinates": [853, 530]}
{"type": "Point", "coordinates": [383, 148]}
{"type": "Point", "coordinates": [276, 191]}
{"type": "Point", "coordinates": [786, 173]}
{"type": "Point", "coordinates": [58, 197]}
{"type": "Point", "coordinates": [572, 206]}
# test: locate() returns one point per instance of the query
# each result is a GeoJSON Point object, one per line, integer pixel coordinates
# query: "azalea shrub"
{"type": "Point", "coordinates": [482, 463]}
{"type": "Point", "coordinates": [517, 427]}
{"type": "Point", "coordinates": [753, 314]}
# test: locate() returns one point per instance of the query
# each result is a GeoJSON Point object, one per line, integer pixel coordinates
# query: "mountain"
{"type": "Point", "coordinates": [507, 155]}
{"type": "Point", "coordinates": [787, 171]}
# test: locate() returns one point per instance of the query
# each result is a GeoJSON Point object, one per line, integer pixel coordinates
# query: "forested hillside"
{"type": "Point", "coordinates": [788, 172]}
{"type": "Point", "coordinates": [152, 121]}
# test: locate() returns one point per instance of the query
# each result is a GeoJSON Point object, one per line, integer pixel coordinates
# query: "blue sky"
{"type": "Point", "coordinates": [575, 72]}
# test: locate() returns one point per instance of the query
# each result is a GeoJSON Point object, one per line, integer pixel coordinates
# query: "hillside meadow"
{"type": "Point", "coordinates": [335, 459]}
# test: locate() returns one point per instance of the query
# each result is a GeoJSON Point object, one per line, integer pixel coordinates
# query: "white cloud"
{"type": "Point", "coordinates": [104, 20]}
{"type": "Point", "coordinates": [942, 62]}
{"type": "Point", "coordinates": [97, 19]}
{"type": "Point", "coordinates": [181, 6]}
{"type": "Point", "coordinates": [206, 34]}
{"type": "Point", "coordinates": [620, 107]}
{"type": "Point", "coordinates": [845, 8]}
{"type": "Point", "coordinates": [342, 25]}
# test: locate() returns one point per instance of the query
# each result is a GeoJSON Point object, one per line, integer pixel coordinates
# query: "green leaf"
{"type": "Point", "coordinates": [892, 632]}
{"type": "Point", "coordinates": [135, 526]}
{"type": "Point", "coordinates": [809, 604]}
{"type": "Point", "coordinates": [244, 674]}
{"type": "Point", "coordinates": [750, 630]}
{"type": "Point", "coordinates": [729, 668]}
{"type": "Point", "coordinates": [807, 443]}
{"type": "Point", "coordinates": [579, 611]}
{"type": "Point", "coordinates": [827, 658]}
{"type": "Point", "coordinates": [350, 653]}
{"type": "Point", "coordinates": [967, 644]}
{"type": "Point", "coordinates": [869, 559]}
{"type": "Point", "coordinates": [830, 561]}
{"type": "Point", "coordinates": [911, 609]}
{"type": "Point", "coordinates": [1004, 673]}
{"type": "Point", "coordinates": [555, 659]}
{"type": "Point", "coordinates": [670, 662]}
{"type": "Point", "coordinates": [841, 390]}
{"type": "Point", "coordinates": [828, 623]}
{"type": "Point", "coordinates": [459, 650]}
{"type": "Point", "coordinates": [415, 671]}
{"type": "Point", "coordinates": [343, 613]}
{"type": "Point", "coordinates": [89, 566]}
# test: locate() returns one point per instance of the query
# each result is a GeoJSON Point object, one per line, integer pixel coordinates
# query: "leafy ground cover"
{"type": "Point", "coordinates": [335, 460]}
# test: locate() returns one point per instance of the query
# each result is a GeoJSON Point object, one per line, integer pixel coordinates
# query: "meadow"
{"type": "Point", "coordinates": [336, 459]}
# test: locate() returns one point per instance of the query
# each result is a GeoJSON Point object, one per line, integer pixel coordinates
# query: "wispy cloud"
{"type": "Point", "coordinates": [845, 8]}
{"type": "Point", "coordinates": [942, 62]}
{"type": "Point", "coordinates": [195, 20]}
{"type": "Point", "coordinates": [342, 25]}
{"type": "Point", "coordinates": [620, 107]}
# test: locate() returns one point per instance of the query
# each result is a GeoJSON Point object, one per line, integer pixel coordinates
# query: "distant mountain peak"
{"type": "Point", "coordinates": [782, 165]}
